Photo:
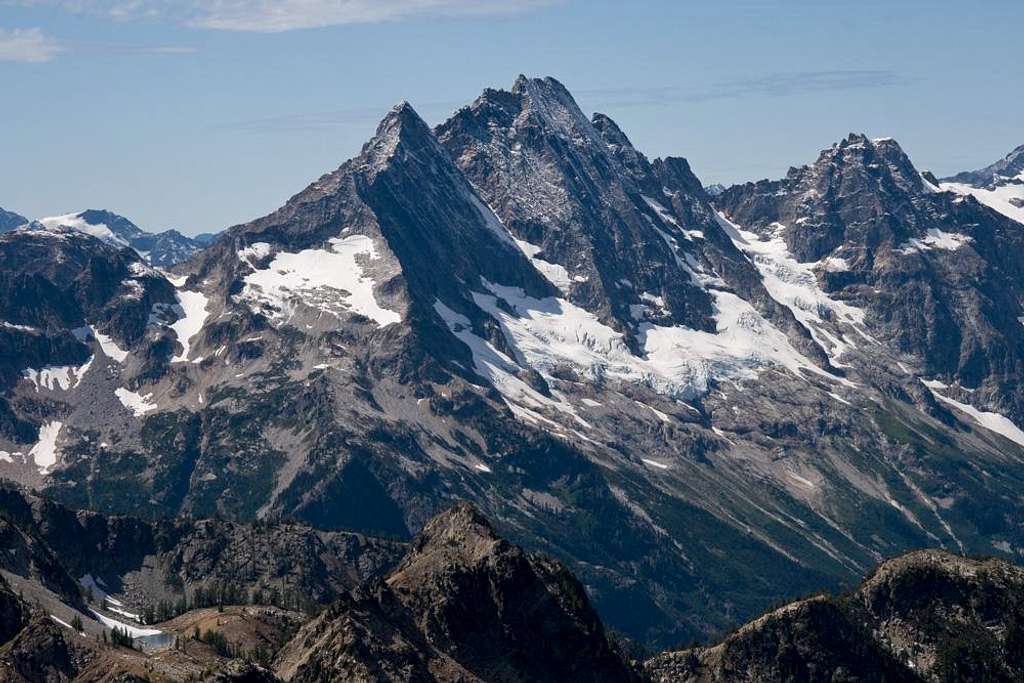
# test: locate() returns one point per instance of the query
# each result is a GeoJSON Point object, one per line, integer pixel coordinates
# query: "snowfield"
{"type": "Point", "coordinates": [935, 239]}
{"type": "Point", "coordinates": [331, 279]}
{"type": "Point", "coordinates": [795, 286]}
{"type": "Point", "coordinates": [75, 222]}
{"type": "Point", "coordinates": [64, 378]}
{"type": "Point", "coordinates": [109, 346]}
{"type": "Point", "coordinates": [44, 453]}
{"type": "Point", "coordinates": [678, 362]}
{"type": "Point", "coordinates": [995, 422]}
{"type": "Point", "coordinates": [192, 315]}
{"type": "Point", "coordinates": [138, 404]}
{"type": "Point", "coordinates": [1007, 199]}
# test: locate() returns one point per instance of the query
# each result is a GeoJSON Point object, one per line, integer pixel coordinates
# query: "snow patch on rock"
{"type": "Point", "coordinates": [44, 453]}
{"type": "Point", "coordinates": [192, 316]}
{"type": "Point", "coordinates": [257, 251]}
{"type": "Point", "coordinates": [76, 222]}
{"type": "Point", "coordinates": [794, 285]}
{"type": "Point", "coordinates": [109, 346]}
{"type": "Point", "coordinates": [135, 402]}
{"type": "Point", "coordinates": [934, 239]}
{"type": "Point", "coordinates": [1007, 199]}
{"type": "Point", "coordinates": [64, 377]}
{"type": "Point", "coordinates": [331, 279]}
{"type": "Point", "coordinates": [1000, 424]}
{"type": "Point", "coordinates": [555, 273]}
{"type": "Point", "coordinates": [679, 362]}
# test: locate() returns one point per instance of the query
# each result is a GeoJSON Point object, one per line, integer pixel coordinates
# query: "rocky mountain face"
{"type": "Point", "coordinates": [67, 579]}
{"type": "Point", "coordinates": [163, 249]}
{"type": "Point", "coordinates": [10, 220]}
{"type": "Point", "coordinates": [464, 605]}
{"type": "Point", "coordinates": [66, 297]}
{"type": "Point", "coordinates": [1000, 185]}
{"type": "Point", "coordinates": [700, 404]}
{"type": "Point", "coordinates": [632, 242]}
{"type": "Point", "coordinates": [935, 273]}
{"type": "Point", "coordinates": [141, 562]}
{"type": "Point", "coordinates": [926, 616]}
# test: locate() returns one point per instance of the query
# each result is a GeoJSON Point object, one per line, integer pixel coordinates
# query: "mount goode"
{"type": "Point", "coordinates": [700, 404]}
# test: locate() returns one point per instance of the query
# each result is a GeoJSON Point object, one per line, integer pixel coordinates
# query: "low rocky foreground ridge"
{"type": "Point", "coordinates": [463, 605]}
{"type": "Point", "coordinates": [925, 616]}
{"type": "Point", "coordinates": [466, 605]}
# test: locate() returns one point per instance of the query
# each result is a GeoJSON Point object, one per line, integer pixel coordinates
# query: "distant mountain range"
{"type": "Point", "coordinates": [1000, 186]}
{"type": "Point", "coordinates": [162, 249]}
{"type": "Point", "coordinates": [702, 401]}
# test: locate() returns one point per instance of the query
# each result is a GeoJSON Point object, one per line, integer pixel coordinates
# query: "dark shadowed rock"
{"type": "Point", "coordinates": [924, 616]}
{"type": "Point", "coordinates": [464, 605]}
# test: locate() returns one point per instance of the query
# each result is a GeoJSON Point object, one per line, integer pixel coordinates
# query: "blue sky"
{"type": "Point", "coordinates": [200, 114]}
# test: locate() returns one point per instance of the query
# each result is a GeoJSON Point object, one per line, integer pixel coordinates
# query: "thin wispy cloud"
{"type": "Point", "coordinates": [768, 85]}
{"type": "Point", "coordinates": [129, 49]}
{"type": "Point", "coordinates": [271, 16]}
{"type": "Point", "coordinates": [340, 118]}
{"type": "Point", "coordinates": [28, 45]}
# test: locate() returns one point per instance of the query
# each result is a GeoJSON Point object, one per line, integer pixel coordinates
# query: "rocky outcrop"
{"type": "Point", "coordinates": [42, 652]}
{"type": "Point", "coordinates": [926, 616]}
{"type": "Point", "coordinates": [14, 613]}
{"type": "Point", "coordinates": [464, 605]}
{"type": "Point", "coordinates": [241, 672]}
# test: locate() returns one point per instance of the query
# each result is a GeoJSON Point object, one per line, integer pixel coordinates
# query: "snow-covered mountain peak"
{"type": "Point", "coordinates": [160, 249]}
{"type": "Point", "coordinates": [104, 225]}
{"type": "Point", "coordinates": [999, 186]}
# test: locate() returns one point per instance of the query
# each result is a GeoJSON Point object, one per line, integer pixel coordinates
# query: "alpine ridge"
{"type": "Point", "coordinates": [700, 401]}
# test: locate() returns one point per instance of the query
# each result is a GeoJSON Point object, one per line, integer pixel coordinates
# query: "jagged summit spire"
{"type": "Point", "coordinates": [859, 154]}
{"type": "Point", "coordinates": [547, 84]}
{"type": "Point", "coordinates": [401, 118]}
{"type": "Point", "coordinates": [402, 125]}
